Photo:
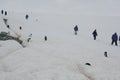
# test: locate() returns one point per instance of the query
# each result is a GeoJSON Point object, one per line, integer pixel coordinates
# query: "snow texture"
{"type": "Point", "coordinates": [64, 55]}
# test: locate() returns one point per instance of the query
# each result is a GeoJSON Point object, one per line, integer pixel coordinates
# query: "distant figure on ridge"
{"type": "Point", "coordinates": [45, 38]}
{"type": "Point", "coordinates": [95, 34]}
{"type": "Point", "coordinates": [20, 28]}
{"type": "Point", "coordinates": [105, 54]}
{"type": "Point", "coordinates": [76, 29]}
{"type": "Point", "coordinates": [2, 11]}
{"type": "Point", "coordinates": [26, 16]}
{"type": "Point", "coordinates": [114, 39]}
{"type": "Point", "coordinates": [5, 12]}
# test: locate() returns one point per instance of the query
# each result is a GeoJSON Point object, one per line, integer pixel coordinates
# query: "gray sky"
{"type": "Point", "coordinates": [100, 7]}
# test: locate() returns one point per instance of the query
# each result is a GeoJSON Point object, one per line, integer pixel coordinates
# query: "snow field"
{"type": "Point", "coordinates": [64, 55]}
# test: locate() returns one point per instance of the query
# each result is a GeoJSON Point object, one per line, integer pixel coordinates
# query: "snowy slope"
{"type": "Point", "coordinates": [64, 55]}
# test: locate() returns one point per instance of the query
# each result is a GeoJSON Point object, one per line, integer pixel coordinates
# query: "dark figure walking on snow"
{"type": "Point", "coordinates": [114, 39]}
{"type": "Point", "coordinates": [95, 34]}
{"type": "Point", "coordinates": [76, 29]}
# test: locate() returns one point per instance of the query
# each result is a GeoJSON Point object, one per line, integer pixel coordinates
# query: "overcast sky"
{"type": "Point", "coordinates": [103, 7]}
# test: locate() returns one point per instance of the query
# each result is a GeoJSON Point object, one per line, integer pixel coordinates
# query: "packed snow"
{"type": "Point", "coordinates": [64, 55]}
